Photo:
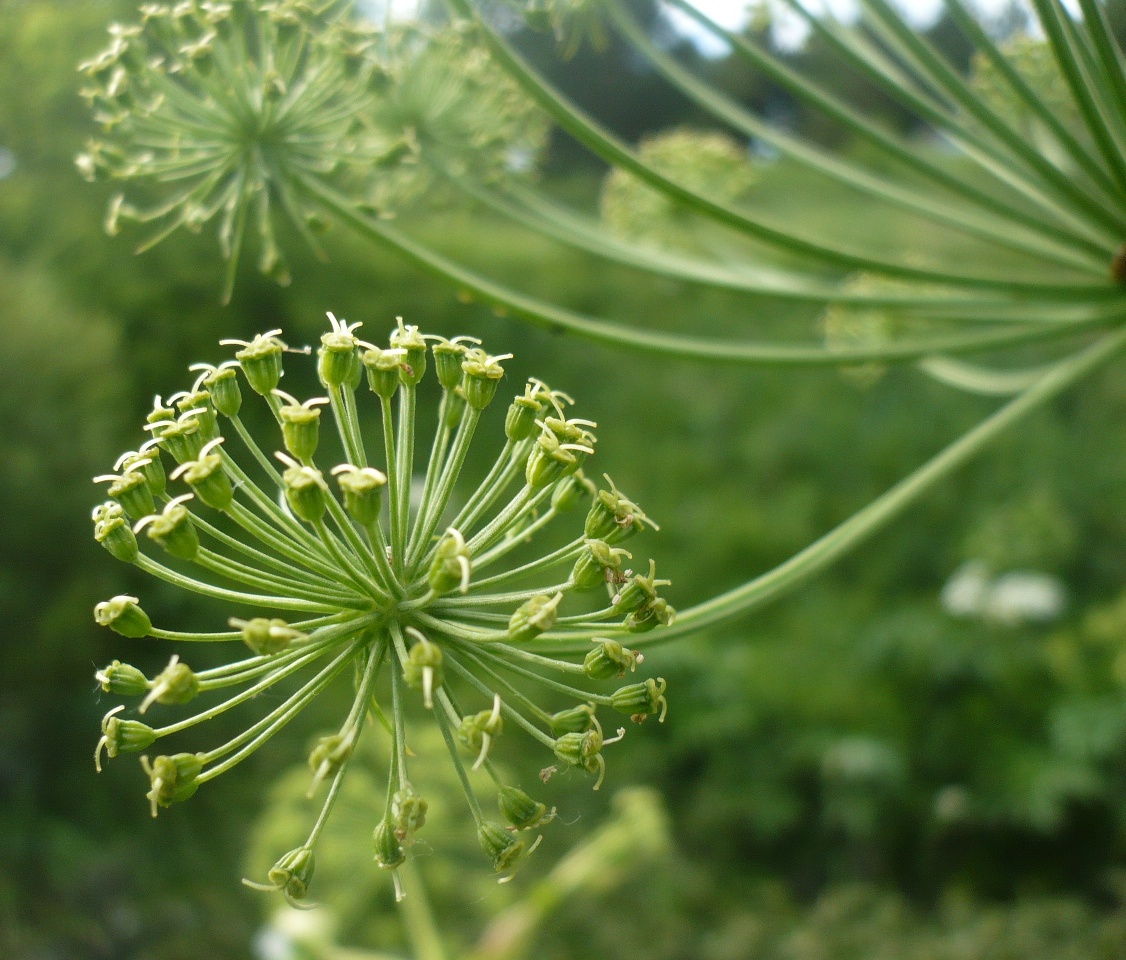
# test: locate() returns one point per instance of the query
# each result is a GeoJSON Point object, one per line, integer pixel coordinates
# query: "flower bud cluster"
{"type": "Point", "coordinates": [317, 533]}
{"type": "Point", "coordinates": [231, 109]}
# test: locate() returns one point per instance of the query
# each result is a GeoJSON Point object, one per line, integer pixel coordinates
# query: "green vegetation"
{"type": "Point", "coordinates": [853, 772]}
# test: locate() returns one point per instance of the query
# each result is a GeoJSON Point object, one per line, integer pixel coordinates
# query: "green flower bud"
{"type": "Point", "coordinates": [569, 492]}
{"type": "Point", "coordinates": [520, 421]}
{"type": "Point", "coordinates": [300, 423]}
{"type": "Point", "coordinates": [502, 847]}
{"type": "Point", "coordinates": [222, 384]}
{"type": "Point", "coordinates": [476, 731]}
{"type": "Point", "coordinates": [423, 667]}
{"type": "Point", "coordinates": [122, 736]}
{"type": "Point", "coordinates": [172, 529]}
{"type": "Point", "coordinates": [452, 566]}
{"type": "Point", "coordinates": [639, 592]}
{"type": "Point", "coordinates": [132, 491]}
{"type": "Point", "coordinates": [522, 811]}
{"type": "Point", "coordinates": [412, 366]}
{"type": "Point", "coordinates": [549, 461]}
{"type": "Point", "coordinates": [122, 679]}
{"type": "Point", "coordinates": [123, 615]}
{"type": "Point", "coordinates": [181, 437]}
{"type": "Point", "coordinates": [609, 660]}
{"type": "Point", "coordinates": [448, 355]}
{"type": "Point", "coordinates": [585, 750]}
{"type": "Point", "coordinates": [575, 720]}
{"type": "Point", "coordinates": [198, 402]}
{"type": "Point", "coordinates": [174, 779]}
{"type": "Point", "coordinates": [267, 636]}
{"type": "Point", "coordinates": [292, 875]}
{"type": "Point", "coordinates": [175, 684]}
{"type": "Point", "coordinates": [599, 563]}
{"type": "Point", "coordinates": [363, 489]}
{"type": "Point", "coordinates": [160, 412]}
{"type": "Point", "coordinates": [383, 368]}
{"type": "Point", "coordinates": [147, 462]}
{"type": "Point", "coordinates": [207, 478]}
{"type": "Point", "coordinates": [657, 613]}
{"type": "Point", "coordinates": [641, 700]}
{"type": "Point", "coordinates": [389, 852]}
{"type": "Point", "coordinates": [408, 813]}
{"type": "Point", "coordinates": [533, 617]}
{"type": "Point", "coordinates": [336, 358]}
{"type": "Point", "coordinates": [261, 360]}
{"type": "Point", "coordinates": [328, 756]}
{"type": "Point", "coordinates": [305, 491]}
{"type": "Point", "coordinates": [117, 537]}
{"type": "Point", "coordinates": [613, 517]}
{"type": "Point", "coordinates": [483, 374]}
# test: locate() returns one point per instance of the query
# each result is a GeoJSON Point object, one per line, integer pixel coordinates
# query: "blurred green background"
{"type": "Point", "coordinates": [854, 772]}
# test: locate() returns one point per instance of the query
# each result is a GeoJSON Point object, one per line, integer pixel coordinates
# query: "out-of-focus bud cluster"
{"type": "Point", "coordinates": [701, 160]}
{"type": "Point", "coordinates": [226, 110]}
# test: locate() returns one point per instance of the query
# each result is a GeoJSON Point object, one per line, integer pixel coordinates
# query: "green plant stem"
{"type": "Point", "coordinates": [989, 228]}
{"type": "Point", "coordinates": [612, 149]}
{"type": "Point", "coordinates": [880, 512]}
{"type": "Point", "coordinates": [220, 593]}
{"type": "Point", "coordinates": [840, 111]}
{"type": "Point", "coordinates": [699, 348]}
{"type": "Point", "coordinates": [418, 916]}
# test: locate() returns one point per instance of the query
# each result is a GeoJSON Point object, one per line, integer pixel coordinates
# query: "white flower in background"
{"type": "Point", "coordinates": [1011, 599]}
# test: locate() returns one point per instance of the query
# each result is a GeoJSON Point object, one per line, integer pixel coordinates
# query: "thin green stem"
{"type": "Point", "coordinates": [807, 563]}
{"type": "Point", "coordinates": [701, 348]}
{"type": "Point", "coordinates": [220, 593]}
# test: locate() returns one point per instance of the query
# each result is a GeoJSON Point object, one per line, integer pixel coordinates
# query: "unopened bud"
{"type": "Point", "coordinates": [175, 684]}
{"type": "Point", "coordinates": [328, 756]}
{"type": "Point", "coordinates": [382, 368]}
{"type": "Point", "coordinates": [267, 636]}
{"type": "Point", "coordinates": [408, 813]}
{"type": "Point", "coordinates": [300, 425]}
{"type": "Point", "coordinates": [423, 669]}
{"type": "Point", "coordinates": [389, 852]}
{"type": "Point", "coordinates": [503, 848]}
{"type": "Point", "coordinates": [122, 736]}
{"type": "Point", "coordinates": [522, 811]}
{"type": "Point", "coordinates": [483, 375]}
{"type": "Point", "coordinates": [174, 779]}
{"type": "Point", "coordinates": [261, 361]}
{"type": "Point", "coordinates": [533, 617]}
{"type": "Point", "coordinates": [575, 720]}
{"type": "Point", "coordinates": [452, 565]}
{"type": "Point", "coordinates": [641, 700]}
{"type": "Point", "coordinates": [363, 492]}
{"type": "Point", "coordinates": [609, 660]}
{"type": "Point", "coordinates": [122, 679]}
{"type": "Point", "coordinates": [172, 529]}
{"type": "Point", "coordinates": [306, 492]}
{"type": "Point", "coordinates": [123, 615]}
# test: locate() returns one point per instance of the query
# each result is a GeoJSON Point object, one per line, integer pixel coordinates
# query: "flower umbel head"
{"type": "Point", "coordinates": [225, 108]}
{"type": "Point", "coordinates": [228, 111]}
{"type": "Point", "coordinates": [331, 570]}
